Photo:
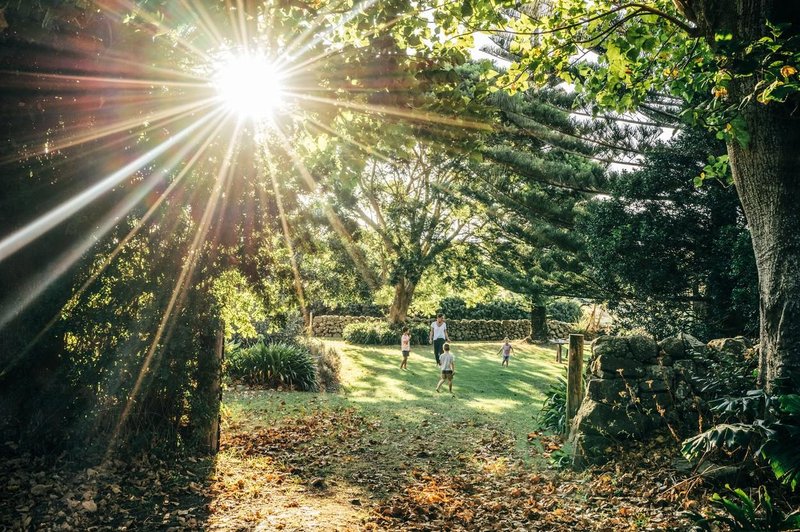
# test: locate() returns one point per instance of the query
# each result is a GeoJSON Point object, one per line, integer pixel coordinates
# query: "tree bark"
{"type": "Point", "coordinates": [765, 170]}
{"type": "Point", "coordinates": [403, 294]}
{"type": "Point", "coordinates": [539, 332]}
{"type": "Point", "coordinates": [766, 176]}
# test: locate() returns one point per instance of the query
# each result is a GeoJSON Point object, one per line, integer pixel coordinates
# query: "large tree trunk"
{"type": "Point", "coordinates": [539, 332]}
{"type": "Point", "coordinates": [766, 173]}
{"type": "Point", "coordinates": [403, 294]}
{"type": "Point", "coordinates": [767, 176]}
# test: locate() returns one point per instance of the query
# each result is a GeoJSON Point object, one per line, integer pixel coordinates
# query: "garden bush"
{"type": "Point", "coordinates": [274, 365]}
{"type": "Point", "coordinates": [455, 308]}
{"type": "Point", "coordinates": [553, 415]}
{"type": "Point", "coordinates": [381, 333]}
{"type": "Point", "coordinates": [564, 310]}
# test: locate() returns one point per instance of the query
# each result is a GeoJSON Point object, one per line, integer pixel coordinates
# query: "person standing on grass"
{"type": "Point", "coordinates": [405, 348]}
{"type": "Point", "coordinates": [506, 349]}
{"type": "Point", "coordinates": [448, 366]}
{"type": "Point", "coordinates": [438, 336]}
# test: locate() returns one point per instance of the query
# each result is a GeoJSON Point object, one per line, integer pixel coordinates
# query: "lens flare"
{"type": "Point", "coordinates": [250, 85]}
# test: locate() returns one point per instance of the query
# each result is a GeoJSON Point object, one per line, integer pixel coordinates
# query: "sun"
{"type": "Point", "coordinates": [250, 85]}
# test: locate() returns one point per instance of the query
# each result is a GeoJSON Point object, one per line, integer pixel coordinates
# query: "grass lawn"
{"type": "Point", "coordinates": [485, 394]}
{"type": "Point", "coordinates": [318, 453]}
{"type": "Point", "coordinates": [389, 453]}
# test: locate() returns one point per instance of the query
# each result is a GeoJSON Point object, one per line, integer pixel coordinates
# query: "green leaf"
{"type": "Point", "coordinates": [790, 403]}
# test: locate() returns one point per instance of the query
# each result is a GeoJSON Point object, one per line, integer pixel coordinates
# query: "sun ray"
{"type": "Point", "coordinates": [330, 214]}
{"type": "Point", "coordinates": [181, 285]}
{"type": "Point", "coordinates": [432, 118]}
{"type": "Point", "coordinates": [298, 282]}
{"type": "Point", "coordinates": [158, 120]}
{"type": "Point", "coordinates": [198, 12]}
{"type": "Point", "coordinates": [320, 36]}
{"type": "Point", "coordinates": [155, 22]}
{"type": "Point", "coordinates": [127, 238]}
{"type": "Point", "coordinates": [32, 231]}
{"type": "Point", "coordinates": [22, 80]}
{"type": "Point", "coordinates": [369, 150]}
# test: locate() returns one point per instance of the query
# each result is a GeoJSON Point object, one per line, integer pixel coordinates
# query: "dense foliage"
{"type": "Point", "coordinates": [669, 256]}
{"type": "Point", "coordinates": [277, 365]}
{"type": "Point", "coordinates": [382, 333]}
{"type": "Point", "coordinates": [566, 310]}
{"type": "Point", "coordinates": [456, 308]}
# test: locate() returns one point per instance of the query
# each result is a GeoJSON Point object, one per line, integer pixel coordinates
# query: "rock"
{"type": "Point", "coordinates": [673, 347]}
{"type": "Point", "coordinates": [718, 474]}
{"type": "Point", "coordinates": [599, 419]}
{"type": "Point", "coordinates": [653, 385]}
{"type": "Point", "coordinates": [732, 346]}
{"type": "Point", "coordinates": [620, 367]}
{"type": "Point", "coordinates": [610, 391]}
{"type": "Point", "coordinates": [686, 368]}
{"type": "Point", "coordinates": [665, 373]}
{"type": "Point", "coordinates": [655, 403]}
{"type": "Point", "coordinates": [643, 348]}
{"type": "Point", "coordinates": [682, 391]}
{"type": "Point", "coordinates": [610, 345]}
{"type": "Point", "coordinates": [692, 344]}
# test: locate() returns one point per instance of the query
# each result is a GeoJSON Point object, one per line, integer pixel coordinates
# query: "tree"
{"type": "Point", "coordinates": [658, 241]}
{"type": "Point", "coordinates": [408, 204]}
{"type": "Point", "coordinates": [735, 66]}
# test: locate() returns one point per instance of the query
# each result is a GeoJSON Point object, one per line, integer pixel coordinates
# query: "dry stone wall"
{"type": "Point", "coordinates": [458, 330]}
{"type": "Point", "coordinates": [635, 385]}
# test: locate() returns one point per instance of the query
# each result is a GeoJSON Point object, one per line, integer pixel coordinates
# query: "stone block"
{"type": "Point", "coordinates": [643, 348]}
{"type": "Point", "coordinates": [620, 367]}
{"type": "Point", "coordinates": [599, 419]}
{"type": "Point", "coordinates": [733, 346]}
{"type": "Point", "coordinates": [673, 347]}
{"type": "Point", "coordinates": [655, 402]}
{"type": "Point", "coordinates": [686, 368]}
{"type": "Point", "coordinates": [610, 345]}
{"type": "Point", "coordinates": [609, 391]}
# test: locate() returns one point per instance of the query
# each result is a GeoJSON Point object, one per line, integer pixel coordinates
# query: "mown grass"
{"type": "Point", "coordinates": [486, 396]}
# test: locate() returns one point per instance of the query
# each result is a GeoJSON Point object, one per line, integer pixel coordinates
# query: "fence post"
{"type": "Point", "coordinates": [216, 391]}
{"type": "Point", "coordinates": [574, 377]}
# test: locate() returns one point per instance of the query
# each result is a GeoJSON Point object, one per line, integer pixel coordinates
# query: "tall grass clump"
{"type": "Point", "coordinates": [275, 365]}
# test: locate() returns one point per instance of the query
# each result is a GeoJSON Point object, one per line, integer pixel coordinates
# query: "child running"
{"type": "Point", "coordinates": [447, 362]}
{"type": "Point", "coordinates": [506, 349]}
{"type": "Point", "coordinates": [405, 348]}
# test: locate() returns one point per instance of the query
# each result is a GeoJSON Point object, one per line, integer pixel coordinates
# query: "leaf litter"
{"type": "Point", "coordinates": [334, 468]}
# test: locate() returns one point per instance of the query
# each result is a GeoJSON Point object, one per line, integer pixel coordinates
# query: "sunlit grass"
{"type": "Point", "coordinates": [485, 393]}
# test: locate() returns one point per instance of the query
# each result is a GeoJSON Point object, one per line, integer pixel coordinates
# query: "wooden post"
{"type": "Point", "coordinates": [216, 390]}
{"type": "Point", "coordinates": [574, 377]}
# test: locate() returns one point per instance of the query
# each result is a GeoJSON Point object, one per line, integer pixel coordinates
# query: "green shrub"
{"type": "Point", "coordinates": [553, 415]}
{"type": "Point", "coordinates": [742, 513]}
{"type": "Point", "coordinates": [367, 333]}
{"type": "Point", "coordinates": [564, 310]}
{"type": "Point", "coordinates": [329, 364]}
{"type": "Point", "coordinates": [455, 308]}
{"type": "Point", "coordinates": [381, 333]}
{"type": "Point", "coordinates": [420, 334]}
{"type": "Point", "coordinates": [274, 365]}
